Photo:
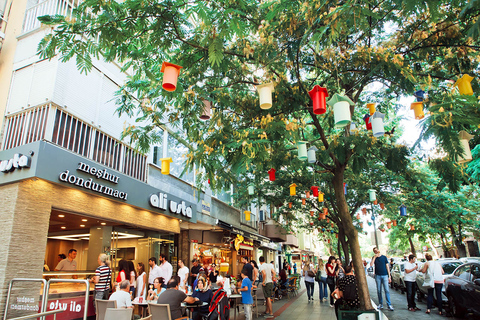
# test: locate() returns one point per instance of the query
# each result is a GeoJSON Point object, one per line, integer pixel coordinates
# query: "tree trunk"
{"type": "Point", "coordinates": [462, 250]}
{"type": "Point", "coordinates": [433, 247]}
{"type": "Point", "coordinates": [342, 240]}
{"type": "Point", "coordinates": [412, 247]}
{"type": "Point", "coordinates": [444, 246]}
{"type": "Point", "coordinates": [352, 236]}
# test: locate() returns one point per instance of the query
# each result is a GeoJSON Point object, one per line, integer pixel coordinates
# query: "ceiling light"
{"type": "Point", "coordinates": [103, 223]}
{"type": "Point", "coordinates": [63, 227]}
{"type": "Point", "coordinates": [61, 216]}
{"type": "Point", "coordinates": [84, 220]}
{"type": "Point", "coordinates": [99, 228]}
{"type": "Point", "coordinates": [82, 225]}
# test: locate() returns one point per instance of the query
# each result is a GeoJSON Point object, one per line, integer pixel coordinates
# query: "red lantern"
{"type": "Point", "coordinates": [367, 121]}
{"type": "Point", "coordinates": [311, 223]}
{"type": "Point", "coordinates": [328, 240]}
{"type": "Point", "coordinates": [290, 205]}
{"type": "Point", "coordinates": [382, 206]}
{"type": "Point", "coordinates": [383, 230]}
{"type": "Point", "coordinates": [208, 181]}
{"type": "Point", "coordinates": [336, 235]}
{"type": "Point", "coordinates": [318, 95]}
{"type": "Point", "coordinates": [364, 210]}
{"type": "Point", "coordinates": [412, 227]}
{"type": "Point", "coordinates": [332, 225]}
{"type": "Point", "coordinates": [328, 220]}
{"type": "Point", "coordinates": [271, 174]}
{"type": "Point", "coordinates": [314, 191]}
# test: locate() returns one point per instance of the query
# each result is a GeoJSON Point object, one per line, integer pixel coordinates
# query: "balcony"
{"type": "Point", "coordinates": [47, 7]}
{"type": "Point", "coordinates": [291, 240]}
{"type": "Point", "coordinates": [53, 124]}
{"type": "Point", "coordinates": [273, 230]}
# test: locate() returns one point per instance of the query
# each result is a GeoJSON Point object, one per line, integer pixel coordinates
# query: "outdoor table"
{"type": "Point", "coordinates": [192, 306]}
{"type": "Point", "coordinates": [142, 305]}
{"type": "Point", "coordinates": [234, 298]}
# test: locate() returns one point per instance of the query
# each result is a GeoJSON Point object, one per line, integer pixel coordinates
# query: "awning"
{"type": "Point", "coordinates": [246, 234]}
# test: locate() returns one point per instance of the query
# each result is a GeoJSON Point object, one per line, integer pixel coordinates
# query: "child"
{"type": "Point", "coordinates": [246, 290]}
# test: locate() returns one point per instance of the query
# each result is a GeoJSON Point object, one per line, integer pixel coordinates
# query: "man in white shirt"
{"type": "Point", "coordinates": [409, 279]}
{"type": "Point", "coordinates": [268, 274]}
{"type": "Point", "coordinates": [183, 274]}
{"type": "Point", "coordinates": [155, 271]}
{"type": "Point", "coordinates": [122, 296]}
{"type": "Point", "coordinates": [166, 269]}
{"type": "Point", "coordinates": [68, 264]}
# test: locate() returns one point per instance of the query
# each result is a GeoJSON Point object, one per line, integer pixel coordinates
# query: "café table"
{"type": "Point", "coordinates": [192, 306]}
{"type": "Point", "coordinates": [142, 305]}
{"type": "Point", "coordinates": [234, 297]}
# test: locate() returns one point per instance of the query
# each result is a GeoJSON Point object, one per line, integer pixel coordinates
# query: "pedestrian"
{"type": "Point", "coordinates": [410, 284]}
{"type": "Point", "coordinates": [141, 281]}
{"type": "Point", "coordinates": [166, 269]}
{"type": "Point", "coordinates": [392, 263]}
{"type": "Point", "coordinates": [102, 278]}
{"type": "Point", "coordinates": [154, 270]}
{"type": "Point", "coordinates": [294, 268]}
{"type": "Point", "coordinates": [255, 273]}
{"type": "Point", "coordinates": [268, 276]}
{"type": "Point", "coordinates": [248, 266]}
{"type": "Point", "coordinates": [321, 278]}
{"type": "Point", "coordinates": [330, 269]}
{"type": "Point", "coordinates": [339, 271]}
{"type": "Point", "coordinates": [434, 270]}
{"type": "Point", "coordinates": [133, 277]}
{"type": "Point", "coordinates": [246, 290]}
{"type": "Point", "coordinates": [308, 273]}
{"type": "Point", "coordinates": [365, 266]}
{"type": "Point", "coordinates": [196, 268]}
{"type": "Point", "coordinates": [183, 274]}
{"type": "Point", "coordinates": [347, 291]}
{"type": "Point", "coordinates": [122, 273]}
{"type": "Point", "coordinates": [382, 277]}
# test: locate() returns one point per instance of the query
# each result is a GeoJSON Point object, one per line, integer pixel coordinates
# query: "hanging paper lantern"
{"type": "Point", "coordinates": [206, 110]}
{"type": "Point", "coordinates": [412, 227]}
{"type": "Point", "coordinates": [311, 213]}
{"type": "Point", "coordinates": [320, 197]}
{"type": "Point", "coordinates": [208, 181]}
{"type": "Point", "coordinates": [377, 124]}
{"type": "Point", "coordinates": [371, 194]}
{"type": "Point", "coordinates": [371, 108]}
{"type": "Point", "coordinates": [361, 225]}
{"type": "Point", "coordinates": [311, 223]}
{"type": "Point", "coordinates": [321, 216]}
{"type": "Point", "coordinates": [394, 223]}
{"type": "Point", "coordinates": [302, 150]}
{"type": "Point", "coordinates": [307, 194]}
{"type": "Point", "coordinates": [328, 220]}
{"type": "Point", "coordinates": [353, 127]}
{"type": "Point", "coordinates": [467, 154]}
{"type": "Point", "coordinates": [303, 201]}
{"type": "Point", "coordinates": [382, 229]}
{"type": "Point", "coordinates": [419, 95]}
{"type": "Point", "coordinates": [318, 95]}
{"type": "Point", "coordinates": [247, 215]}
{"type": "Point", "coordinates": [250, 189]}
{"type": "Point", "coordinates": [364, 210]}
{"type": "Point", "coordinates": [369, 223]}
{"type": "Point", "coordinates": [271, 174]}
{"type": "Point", "coordinates": [336, 235]}
{"type": "Point", "coordinates": [166, 165]}
{"type": "Point", "coordinates": [293, 189]}
{"type": "Point", "coordinates": [290, 205]}
{"type": "Point", "coordinates": [314, 190]}
{"type": "Point", "coordinates": [368, 123]}
{"type": "Point", "coordinates": [389, 224]}
{"type": "Point", "coordinates": [323, 229]}
{"type": "Point", "coordinates": [332, 226]}
{"type": "Point", "coordinates": [345, 188]}
{"type": "Point", "coordinates": [312, 158]}
{"type": "Point", "coordinates": [382, 206]}
{"type": "Point", "coordinates": [403, 210]}
{"type": "Point", "coordinates": [375, 202]}
{"type": "Point", "coordinates": [464, 85]}
{"type": "Point", "coordinates": [341, 110]}
{"type": "Point", "coordinates": [170, 75]}
{"type": "Point", "coordinates": [265, 93]}
{"type": "Point", "coordinates": [325, 211]}
{"type": "Point", "coordinates": [328, 240]}
{"type": "Point", "coordinates": [417, 108]}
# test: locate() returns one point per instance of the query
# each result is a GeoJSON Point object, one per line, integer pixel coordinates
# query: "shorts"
{"type": "Point", "coordinates": [267, 289]}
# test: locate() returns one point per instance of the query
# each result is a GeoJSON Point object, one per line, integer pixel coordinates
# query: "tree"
{"type": "Point", "coordinates": [228, 47]}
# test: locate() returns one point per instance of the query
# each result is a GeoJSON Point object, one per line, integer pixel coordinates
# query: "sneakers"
{"type": "Point", "coordinates": [331, 306]}
{"type": "Point", "coordinates": [268, 315]}
{"type": "Point", "coordinates": [380, 307]}
{"type": "Point", "coordinates": [324, 299]}
{"type": "Point", "coordinates": [411, 309]}
{"type": "Point", "coordinates": [390, 308]}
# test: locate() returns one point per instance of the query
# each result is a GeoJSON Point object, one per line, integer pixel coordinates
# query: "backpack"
{"type": "Point", "coordinates": [219, 307]}
{"type": "Point", "coordinates": [350, 291]}
{"type": "Point", "coordinates": [318, 276]}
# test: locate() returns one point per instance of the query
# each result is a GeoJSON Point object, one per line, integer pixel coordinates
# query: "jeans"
{"type": "Point", "coordinates": [332, 288]}
{"type": "Point", "coordinates": [323, 288]}
{"type": "Point", "coordinates": [411, 290]}
{"type": "Point", "coordinates": [382, 281]}
{"type": "Point", "coordinates": [310, 287]}
{"type": "Point", "coordinates": [438, 295]}
{"type": "Point", "coordinates": [248, 311]}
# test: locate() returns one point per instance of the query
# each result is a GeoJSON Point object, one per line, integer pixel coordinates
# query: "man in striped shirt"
{"type": "Point", "coordinates": [102, 278]}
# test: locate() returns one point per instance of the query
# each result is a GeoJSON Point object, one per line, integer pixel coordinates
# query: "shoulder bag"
{"type": "Point", "coordinates": [428, 281]}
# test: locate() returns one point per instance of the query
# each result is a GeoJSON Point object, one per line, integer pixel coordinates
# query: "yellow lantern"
{"type": "Point", "coordinates": [371, 108]}
{"type": "Point", "coordinates": [166, 165]}
{"type": "Point", "coordinates": [417, 108]}
{"type": "Point", "coordinates": [247, 215]}
{"type": "Point", "coordinates": [293, 189]}
{"type": "Point", "coordinates": [320, 197]}
{"type": "Point", "coordinates": [464, 85]}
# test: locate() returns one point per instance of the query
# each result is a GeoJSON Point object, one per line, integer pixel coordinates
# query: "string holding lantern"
{"type": "Point", "coordinates": [371, 108]}
{"type": "Point", "coordinates": [314, 190]}
{"type": "Point", "coordinates": [206, 112]}
{"type": "Point", "coordinates": [466, 156]}
{"type": "Point", "coordinates": [311, 156]}
{"type": "Point", "coordinates": [265, 92]}
{"type": "Point", "coordinates": [417, 108]}
{"type": "Point", "coordinates": [302, 150]}
{"type": "Point", "coordinates": [271, 174]}
{"type": "Point", "coordinates": [293, 189]}
{"type": "Point", "coordinates": [368, 124]}
{"type": "Point", "coordinates": [318, 95]}
{"type": "Point", "coordinates": [166, 165]}
{"type": "Point", "coordinates": [341, 109]}
{"type": "Point", "coordinates": [170, 75]}
{"type": "Point", "coordinates": [464, 84]}
{"type": "Point", "coordinates": [377, 124]}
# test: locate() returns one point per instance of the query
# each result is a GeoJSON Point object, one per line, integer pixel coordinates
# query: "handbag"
{"type": "Point", "coordinates": [310, 273]}
{"type": "Point", "coordinates": [330, 280]}
{"type": "Point", "coordinates": [106, 289]}
{"type": "Point", "coordinates": [428, 281]}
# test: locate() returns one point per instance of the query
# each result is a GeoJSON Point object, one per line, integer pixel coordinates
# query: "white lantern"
{"type": "Point", "coordinates": [206, 110]}
{"type": "Point", "coordinates": [467, 154]}
{"type": "Point", "coordinates": [302, 150]}
{"type": "Point", "coordinates": [371, 194]}
{"type": "Point", "coordinates": [265, 93]}
{"type": "Point", "coordinates": [341, 113]}
{"type": "Point", "coordinates": [377, 124]}
{"type": "Point", "coordinates": [312, 158]}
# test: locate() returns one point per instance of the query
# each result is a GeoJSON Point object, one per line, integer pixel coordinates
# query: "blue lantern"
{"type": "Point", "coordinates": [323, 229]}
{"type": "Point", "coordinates": [403, 210]}
{"type": "Point", "coordinates": [420, 95]}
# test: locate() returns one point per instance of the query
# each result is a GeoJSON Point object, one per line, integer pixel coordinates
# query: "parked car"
{"type": "Point", "coordinates": [370, 272]}
{"type": "Point", "coordinates": [398, 273]}
{"type": "Point", "coordinates": [449, 265]}
{"type": "Point", "coordinates": [470, 259]}
{"type": "Point", "coordinates": [463, 290]}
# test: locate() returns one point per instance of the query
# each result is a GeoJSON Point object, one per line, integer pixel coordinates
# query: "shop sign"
{"type": "Point", "coordinates": [161, 202]}
{"type": "Point", "coordinates": [205, 207]}
{"type": "Point", "coordinates": [247, 234]}
{"type": "Point", "coordinates": [240, 240]}
{"type": "Point", "coordinates": [74, 307]}
{"type": "Point", "coordinates": [89, 184]}
{"type": "Point", "coordinates": [18, 161]}
{"type": "Point", "coordinates": [24, 304]}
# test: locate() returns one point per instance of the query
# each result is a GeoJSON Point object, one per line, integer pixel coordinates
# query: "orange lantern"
{"type": "Point", "coordinates": [321, 216]}
{"type": "Point", "coordinates": [382, 206]}
{"type": "Point", "coordinates": [357, 216]}
{"type": "Point", "coordinates": [325, 211]}
{"type": "Point", "coordinates": [307, 194]}
{"type": "Point", "coordinates": [170, 75]}
{"type": "Point", "coordinates": [361, 225]}
{"type": "Point", "coordinates": [394, 223]}
{"type": "Point", "coordinates": [303, 201]}
{"type": "Point", "coordinates": [328, 240]}
{"type": "Point", "coordinates": [311, 213]}
{"type": "Point", "coordinates": [364, 210]}
{"type": "Point", "coordinates": [332, 225]}
{"type": "Point", "coordinates": [290, 205]}
{"type": "Point", "coordinates": [311, 223]}
{"type": "Point", "coordinates": [382, 229]}
{"type": "Point", "coordinates": [389, 224]}
{"type": "Point", "coordinates": [375, 202]}
{"type": "Point", "coordinates": [412, 227]}
{"type": "Point", "coordinates": [328, 220]}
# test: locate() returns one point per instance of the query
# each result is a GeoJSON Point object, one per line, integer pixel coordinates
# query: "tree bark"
{"type": "Point", "coordinates": [462, 250]}
{"type": "Point", "coordinates": [342, 240]}
{"type": "Point", "coordinates": [433, 247]}
{"type": "Point", "coordinates": [352, 236]}
{"type": "Point", "coordinates": [412, 247]}
{"type": "Point", "coordinates": [444, 246]}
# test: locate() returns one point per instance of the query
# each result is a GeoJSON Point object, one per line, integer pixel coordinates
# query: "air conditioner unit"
{"type": "Point", "coordinates": [261, 216]}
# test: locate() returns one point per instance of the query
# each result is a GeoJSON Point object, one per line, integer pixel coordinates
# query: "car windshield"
{"type": "Point", "coordinates": [449, 267]}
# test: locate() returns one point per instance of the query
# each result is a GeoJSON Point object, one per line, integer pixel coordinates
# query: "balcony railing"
{"type": "Point", "coordinates": [47, 7]}
{"type": "Point", "coordinates": [53, 124]}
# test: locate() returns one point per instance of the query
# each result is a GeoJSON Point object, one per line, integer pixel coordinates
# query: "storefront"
{"type": "Point", "coordinates": [56, 201]}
